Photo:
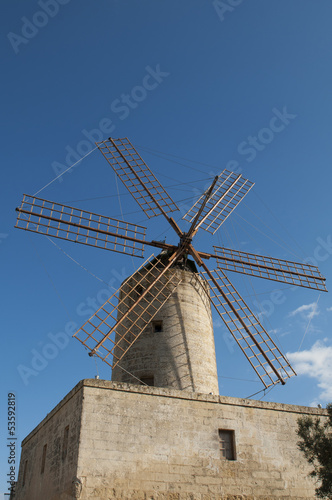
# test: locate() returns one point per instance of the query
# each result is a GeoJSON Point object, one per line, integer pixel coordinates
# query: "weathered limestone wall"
{"type": "Point", "coordinates": [148, 443]}
{"type": "Point", "coordinates": [56, 482]}
{"type": "Point", "coordinates": [182, 355]}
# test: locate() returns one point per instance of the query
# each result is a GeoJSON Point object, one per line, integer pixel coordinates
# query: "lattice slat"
{"type": "Point", "coordinates": [293, 273]}
{"type": "Point", "coordinates": [68, 223]}
{"type": "Point", "coordinates": [229, 190]}
{"type": "Point", "coordinates": [252, 338]}
{"type": "Point", "coordinates": [137, 177]}
{"type": "Point", "coordinates": [117, 324]}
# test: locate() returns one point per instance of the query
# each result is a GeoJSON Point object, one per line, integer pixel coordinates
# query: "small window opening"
{"type": "Point", "coordinates": [157, 326]}
{"type": "Point", "coordinates": [25, 470]}
{"type": "Point", "coordinates": [139, 290]}
{"type": "Point", "coordinates": [147, 380]}
{"type": "Point", "coordinates": [227, 444]}
{"type": "Point", "coordinates": [65, 442]}
{"type": "Point", "coordinates": [43, 459]}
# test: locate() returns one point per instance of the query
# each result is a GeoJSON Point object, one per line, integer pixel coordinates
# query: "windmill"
{"type": "Point", "coordinates": [117, 325]}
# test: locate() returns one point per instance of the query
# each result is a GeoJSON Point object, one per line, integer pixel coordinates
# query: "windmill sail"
{"type": "Point", "coordinates": [68, 223]}
{"type": "Point", "coordinates": [137, 177]}
{"type": "Point", "coordinates": [118, 323]}
{"type": "Point", "coordinates": [260, 266]}
{"type": "Point", "coordinates": [229, 190]}
{"type": "Point", "coordinates": [264, 356]}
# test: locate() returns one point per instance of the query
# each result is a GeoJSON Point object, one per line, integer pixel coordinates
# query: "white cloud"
{"type": "Point", "coordinates": [315, 363]}
{"type": "Point", "coordinates": [308, 311]}
{"type": "Point", "coordinates": [329, 309]}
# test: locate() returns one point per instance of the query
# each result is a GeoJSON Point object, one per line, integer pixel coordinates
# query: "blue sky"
{"type": "Point", "coordinates": [197, 87]}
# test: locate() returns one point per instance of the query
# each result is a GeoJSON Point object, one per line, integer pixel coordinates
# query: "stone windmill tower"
{"type": "Point", "coordinates": [176, 349]}
{"type": "Point", "coordinates": [159, 430]}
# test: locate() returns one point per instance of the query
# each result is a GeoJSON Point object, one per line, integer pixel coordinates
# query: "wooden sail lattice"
{"type": "Point", "coordinates": [137, 177]}
{"type": "Point", "coordinates": [118, 323]}
{"type": "Point", "coordinates": [227, 194]}
{"type": "Point", "coordinates": [69, 223]}
{"type": "Point", "coordinates": [260, 266]}
{"type": "Point", "coordinates": [250, 335]}
{"type": "Point", "coordinates": [128, 312]}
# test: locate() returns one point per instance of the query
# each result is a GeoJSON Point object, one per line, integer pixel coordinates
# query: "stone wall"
{"type": "Point", "coordinates": [60, 460]}
{"type": "Point", "coordinates": [148, 443]}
